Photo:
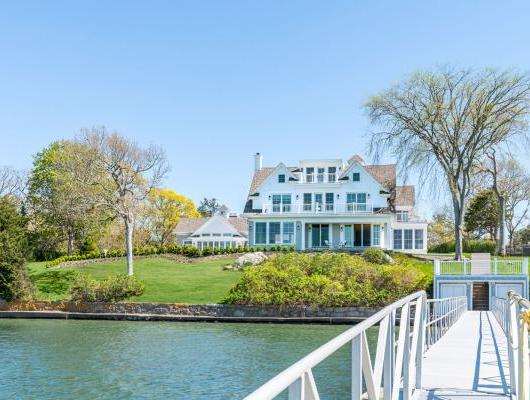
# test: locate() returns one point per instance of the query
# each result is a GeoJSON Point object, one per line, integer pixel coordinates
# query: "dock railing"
{"type": "Point", "coordinates": [394, 371]}
{"type": "Point", "coordinates": [512, 314]}
{"type": "Point", "coordinates": [497, 267]}
{"type": "Point", "coordinates": [442, 314]}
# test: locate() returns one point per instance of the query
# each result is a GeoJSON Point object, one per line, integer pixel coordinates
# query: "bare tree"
{"type": "Point", "coordinates": [511, 184]}
{"type": "Point", "coordinates": [443, 122]}
{"type": "Point", "coordinates": [124, 172]}
{"type": "Point", "coordinates": [11, 182]}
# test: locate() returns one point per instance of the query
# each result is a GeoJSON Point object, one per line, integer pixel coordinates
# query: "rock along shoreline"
{"type": "Point", "coordinates": [184, 312]}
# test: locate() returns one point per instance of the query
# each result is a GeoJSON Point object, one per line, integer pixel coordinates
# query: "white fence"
{"type": "Point", "coordinates": [497, 267]}
{"type": "Point", "coordinates": [442, 314]}
{"type": "Point", "coordinates": [509, 313]}
{"type": "Point", "coordinates": [395, 370]}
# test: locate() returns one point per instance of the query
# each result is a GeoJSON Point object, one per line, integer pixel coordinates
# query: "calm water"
{"type": "Point", "coordinates": [53, 359]}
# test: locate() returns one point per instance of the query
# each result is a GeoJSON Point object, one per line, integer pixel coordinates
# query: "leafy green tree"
{"type": "Point", "coordinates": [208, 207]}
{"type": "Point", "coordinates": [441, 228]}
{"type": "Point", "coordinates": [60, 211]}
{"type": "Point", "coordinates": [14, 281]}
{"type": "Point", "coordinates": [164, 210]}
{"type": "Point", "coordinates": [482, 215]}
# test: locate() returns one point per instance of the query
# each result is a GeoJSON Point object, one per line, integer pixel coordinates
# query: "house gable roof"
{"type": "Point", "coordinates": [261, 175]}
{"type": "Point", "coordinates": [385, 175]}
{"type": "Point", "coordinates": [197, 225]}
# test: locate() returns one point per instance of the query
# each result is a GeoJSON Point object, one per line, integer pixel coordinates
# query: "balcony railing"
{"type": "Point", "coordinates": [318, 208]}
{"type": "Point", "coordinates": [326, 177]}
{"type": "Point", "coordinates": [481, 267]}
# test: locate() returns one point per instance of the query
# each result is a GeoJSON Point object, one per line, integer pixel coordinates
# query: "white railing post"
{"type": "Point", "coordinates": [495, 266]}
{"type": "Point", "coordinates": [436, 266]}
{"type": "Point", "coordinates": [356, 368]}
{"type": "Point", "coordinates": [525, 266]}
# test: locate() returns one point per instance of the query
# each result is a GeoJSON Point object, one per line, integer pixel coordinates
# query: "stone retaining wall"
{"type": "Point", "coordinates": [213, 311]}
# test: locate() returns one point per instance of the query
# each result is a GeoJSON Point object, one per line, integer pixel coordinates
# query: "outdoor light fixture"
{"type": "Point", "coordinates": [342, 228]}
{"type": "Point", "coordinates": [338, 196]}
{"type": "Point", "coordinates": [296, 197]}
{"type": "Point", "coordinates": [269, 197]}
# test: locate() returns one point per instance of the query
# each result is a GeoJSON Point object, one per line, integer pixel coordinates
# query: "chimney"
{"type": "Point", "coordinates": [258, 161]}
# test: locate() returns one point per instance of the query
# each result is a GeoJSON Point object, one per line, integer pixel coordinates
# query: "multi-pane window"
{"type": "Point", "coordinates": [281, 178]}
{"type": "Point", "coordinates": [205, 234]}
{"type": "Point", "coordinates": [376, 233]}
{"type": "Point", "coordinates": [216, 234]}
{"type": "Point", "coordinates": [407, 242]}
{"type": "Point", "coordinates": [356, 201]}
{"type": "Point", "coordinates": [398, 236]}
{"type": "Point", "coordinates": [307, 201]}
{"type": "Point", "coordinates": [261, 233]}
{"type": "Point", "coordinates": [281, 203]}
{"type": "Point", "coordinates": [320, 174]}
{"type": "Point", "coordinates": [418, 239]}
{"type": "Point", "coordinates": [329, 201]}
{"type": "Point", "coordinates": [402, 216]}
{"type": "Point", "coordinates": [332, 174]}
{"type": "Point", "coordinates": [274, 232]}
{"type": "Point", "coordinates": [227, 234]}
{"type": "Point", "coordinates": [356, 177]}
{"type": "Point", "coordinates": [288, 232]}
{"type": "Point", "coordinates": [309, 172]}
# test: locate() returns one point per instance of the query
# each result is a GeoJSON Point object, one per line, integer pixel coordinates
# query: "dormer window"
{"type": "Point", "coordinates": [356, 177]}
{"type": "Point", "coordinates": [281, 178]}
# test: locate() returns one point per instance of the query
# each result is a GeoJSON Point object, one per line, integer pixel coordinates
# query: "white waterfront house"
{"type": "Point", "coordinates": [323, 204]}
{"type": "Point", "coordinates": [223, 230]}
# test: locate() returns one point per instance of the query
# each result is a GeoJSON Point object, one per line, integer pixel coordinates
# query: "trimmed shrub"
{"type": "Point", "coordinates": [374, 256]}
{"type": "Point", "coordinates": [469, 246]}
{"type": "Point", "coordinates": [325, 279]}
{"type": "Point", "coordinates": [116, 288]}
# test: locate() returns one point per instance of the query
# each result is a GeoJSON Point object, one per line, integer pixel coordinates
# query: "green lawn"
{"type": "Point", "coordinates": [165, 281]}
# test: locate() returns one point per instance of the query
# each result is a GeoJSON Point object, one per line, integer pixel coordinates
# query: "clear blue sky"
{"type": "Point", "coordinates": [215, 81]}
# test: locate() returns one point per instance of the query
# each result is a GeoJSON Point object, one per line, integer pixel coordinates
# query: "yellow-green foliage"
{"type": "Point", "coordinates": [326, 279]}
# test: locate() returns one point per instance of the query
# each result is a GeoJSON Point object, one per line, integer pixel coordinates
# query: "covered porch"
{"type": "Point", "coordinates": [344, 235]}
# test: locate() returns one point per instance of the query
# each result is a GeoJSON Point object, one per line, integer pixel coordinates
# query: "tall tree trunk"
{"type": "Point", "coordinates": [129, 244]}
{"type": "Point", "coordinates": [501, 242]}
{"type": "Point", "coordinates": [459, 223]}
{"type": "Point", "coordinates": [70, 242]}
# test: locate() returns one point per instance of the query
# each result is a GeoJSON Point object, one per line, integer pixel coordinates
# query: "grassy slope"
{"type": "Point", "coordinates": [165, 281]}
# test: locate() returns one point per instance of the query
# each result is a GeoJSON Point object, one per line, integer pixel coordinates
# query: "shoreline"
{"type": "Point", "coordinates": [123, 311]}
{"type": "Point", "coordinates": [68, 315]}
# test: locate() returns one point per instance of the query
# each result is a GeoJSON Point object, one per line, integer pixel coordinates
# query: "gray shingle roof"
{"type": "Point", "coordinates": [405, 196]}
{"type": "Point", "coordinates": [190, 225]}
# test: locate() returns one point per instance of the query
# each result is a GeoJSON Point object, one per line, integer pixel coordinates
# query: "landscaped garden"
{"type": "Point", "coordinates": [290, 278]}
{"type": "Point", "coordinates": [166, 281]}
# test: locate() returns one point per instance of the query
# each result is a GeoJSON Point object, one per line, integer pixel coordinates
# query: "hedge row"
{"type": "Point", "coordinates": [188, 251]}
{"type": "Point", "coordinates": [469, 246]}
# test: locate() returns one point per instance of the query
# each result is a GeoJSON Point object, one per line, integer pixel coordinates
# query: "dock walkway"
{"type": "Point", "coordinates": [469, 362]}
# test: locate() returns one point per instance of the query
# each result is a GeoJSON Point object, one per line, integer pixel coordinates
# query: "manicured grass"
{"type": "Point", "coordinates": [165, 281]}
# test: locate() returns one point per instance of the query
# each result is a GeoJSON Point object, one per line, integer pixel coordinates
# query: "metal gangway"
{"type": "Point", "coordinates": [425, 349]}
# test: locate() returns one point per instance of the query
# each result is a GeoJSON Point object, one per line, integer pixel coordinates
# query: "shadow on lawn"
{"type": "Point", "coordinates": [54, 282]}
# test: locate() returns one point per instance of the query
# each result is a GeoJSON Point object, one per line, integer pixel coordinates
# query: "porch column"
{"type": "Point", "coordinates": [330, 235]}
{"type": "Point", "coordinates": [302, 228]}
{"type": "Point", "coordinates": [388, 236]}
{"type": "Point", "coordinates": [341, 233]}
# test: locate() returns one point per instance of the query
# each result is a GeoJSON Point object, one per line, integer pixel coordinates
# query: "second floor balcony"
{"type": "Point", "coordinates": [318, 208]}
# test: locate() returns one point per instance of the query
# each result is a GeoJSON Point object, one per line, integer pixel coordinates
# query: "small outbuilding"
{"type": "Point", "coordinates": [217, 232]}
{"type": "Point", "coordinates": [480, 279]}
